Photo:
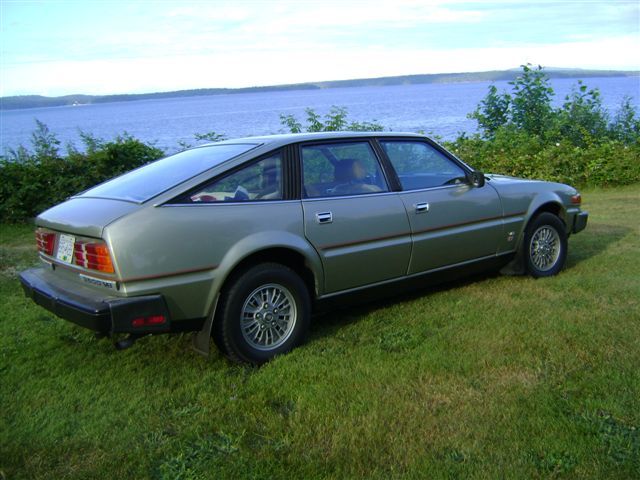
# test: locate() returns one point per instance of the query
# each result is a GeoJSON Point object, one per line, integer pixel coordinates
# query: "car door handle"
{"type": "Point", "coordinates": [324, 217]}
{"type": "Point", "coordinates": [422, 207]}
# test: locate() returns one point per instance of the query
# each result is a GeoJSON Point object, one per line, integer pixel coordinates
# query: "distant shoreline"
{"type": "Point", "coordinates": [19, 102]}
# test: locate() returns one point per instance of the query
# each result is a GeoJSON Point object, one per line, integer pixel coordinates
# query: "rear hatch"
{"type": "Point", "coordinates": [85, 216]}
{"type": "Point", "coordinates": [70, 235]}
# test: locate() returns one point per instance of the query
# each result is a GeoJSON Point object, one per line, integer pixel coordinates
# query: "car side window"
{"type": "Point", "coordinates": [331, 170]}
{"type": "Point", "coordinates": [261, 180]}
{"type": "Point", "coordinates": [419, 165]}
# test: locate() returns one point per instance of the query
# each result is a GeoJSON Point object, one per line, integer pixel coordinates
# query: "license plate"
{"type": "Point", "coordinates": [65, 248]}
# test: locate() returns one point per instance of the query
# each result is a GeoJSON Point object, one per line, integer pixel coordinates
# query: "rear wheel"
{"type": "Point", "coordinates": [264, 312]}
{"type": "Point", "coordinates": [545, 245]}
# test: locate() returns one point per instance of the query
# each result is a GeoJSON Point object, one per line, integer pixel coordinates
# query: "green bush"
{"type": "Point", "coordinates": [626, 124]}
{"type": "Point", "coordinates": [515, 153]}
{"type": "Point", "coordinates": [493, 112]}
{"type": "Point", "coordinates": [334, 121]}
{"type": "Point", "coordinates": [581, 119]}
{"type": "Point", "coordinates": [522, 135]}
{"type": "Point", "coordinates": [33, 182]}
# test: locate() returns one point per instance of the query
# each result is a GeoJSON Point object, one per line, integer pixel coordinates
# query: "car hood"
{"type": "Point", "coordinates": [506, 178]}
{"type": "Point", "coordinates": [85, 216]}
{"type": "Point", "coordinates": [502, 182]}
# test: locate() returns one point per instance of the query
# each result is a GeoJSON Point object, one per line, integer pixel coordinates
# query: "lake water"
{"type": "Point", "coordinates": [437, 109]}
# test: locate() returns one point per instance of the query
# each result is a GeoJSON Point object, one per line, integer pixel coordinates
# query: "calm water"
{"type": "Point", "coordinates": [436, 109]}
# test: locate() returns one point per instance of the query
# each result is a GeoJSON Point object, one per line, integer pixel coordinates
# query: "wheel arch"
{"type": "Point", "coordinates": [553, 206]}
{"type": "Point", "coordinates": [286, 256]}
{"type": "Point", "coordinates": [288, 249]}
{"type": "Point", "coordinates": [545, 202]}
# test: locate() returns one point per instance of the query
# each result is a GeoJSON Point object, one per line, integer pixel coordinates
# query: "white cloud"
{"type": "Point", "coordinates": [328, 13]}
{"type": "Point", "coordinates": [248, 68]}
{"type": "Point", "coordinates": [223, 44]}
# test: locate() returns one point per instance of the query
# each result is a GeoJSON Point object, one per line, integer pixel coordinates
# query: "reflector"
{"type": "Point", "coordinates": [148, 321]}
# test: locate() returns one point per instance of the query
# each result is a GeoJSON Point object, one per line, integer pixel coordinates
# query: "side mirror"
{"type": "Point", "coordinates": [476, 179]}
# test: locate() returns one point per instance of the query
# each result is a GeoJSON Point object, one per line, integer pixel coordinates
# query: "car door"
{"type": "Point", "coordinates": [451, 221]}
{"type": "Point", "coordinates": [359, 227]}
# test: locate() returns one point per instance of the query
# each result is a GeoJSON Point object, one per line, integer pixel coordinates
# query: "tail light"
{"type": "Point", "coordinates": [93, 255]}
{"type": "Point", "coordinates": [45, 241]}
{"type": "Point", "coordinates": [576, 199]}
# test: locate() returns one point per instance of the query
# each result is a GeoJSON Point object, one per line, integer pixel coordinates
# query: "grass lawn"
{"type": "Point", "coordinates": [499, 377]}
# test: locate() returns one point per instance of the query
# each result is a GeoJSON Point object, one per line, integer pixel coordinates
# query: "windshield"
{"type": "Point", "coordinates": [150, 180]}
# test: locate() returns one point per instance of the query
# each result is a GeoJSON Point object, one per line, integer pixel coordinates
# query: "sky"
{"type": "Point", "coordinates": [103, 47]}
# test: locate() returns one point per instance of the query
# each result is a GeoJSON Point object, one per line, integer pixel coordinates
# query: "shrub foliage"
{"type": "Point", "coordinates": [520, 134]}
{"type": "Point", "coordinates": [33, 182]}
{"type": "Point", "coordinates": [334, 121]}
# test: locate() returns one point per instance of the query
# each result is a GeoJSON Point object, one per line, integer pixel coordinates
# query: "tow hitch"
{"type": "Point", "coordinates": [122, 343]}
{"type": "Point", "coordinates": [127, 341]}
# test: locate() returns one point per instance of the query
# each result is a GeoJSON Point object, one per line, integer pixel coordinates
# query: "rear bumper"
{"type": "Point", "coordinates": [580, 222]}
{"type": "Point", "coordinates": [85, 307]}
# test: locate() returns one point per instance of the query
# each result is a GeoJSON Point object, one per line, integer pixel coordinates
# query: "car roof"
{"type": "Point", "coordinates": [273, 141]}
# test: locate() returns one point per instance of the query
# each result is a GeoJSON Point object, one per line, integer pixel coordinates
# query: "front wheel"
{"type": "Point", "coordinates": [263, 313]}
{"type": "Point", "coordinates": [545, 245]}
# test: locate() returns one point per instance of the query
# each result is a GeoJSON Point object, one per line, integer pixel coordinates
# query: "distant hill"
{"type": "Point", "coordinates": [39, 101]}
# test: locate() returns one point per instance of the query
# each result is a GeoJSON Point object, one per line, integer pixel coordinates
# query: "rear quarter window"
{"type": "Point", "coordinates": [154, 178]}
{"type": "Point", "coordinates": [258, 181]}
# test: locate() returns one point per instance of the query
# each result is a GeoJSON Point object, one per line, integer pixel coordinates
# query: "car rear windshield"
{"type": "Point", "coordinates": [146, 182]}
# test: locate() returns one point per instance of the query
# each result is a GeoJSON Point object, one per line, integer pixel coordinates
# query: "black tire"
{"type": "Point", "coordinates": [250, 333]}
{"type": "Point", "coordinates": [545, 245]}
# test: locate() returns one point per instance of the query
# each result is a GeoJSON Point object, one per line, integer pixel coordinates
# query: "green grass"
{"type": "Point", "coordinates": [499, 377]}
